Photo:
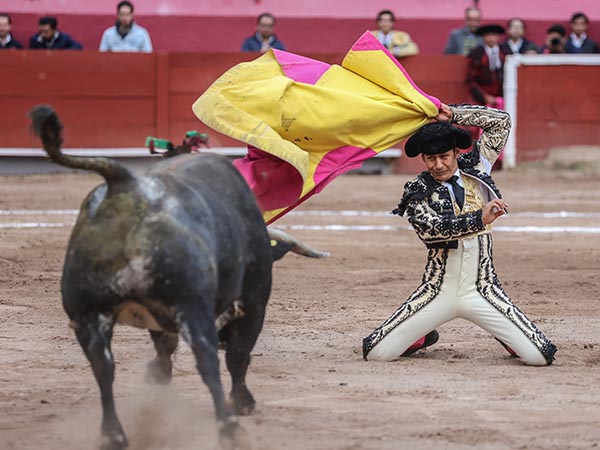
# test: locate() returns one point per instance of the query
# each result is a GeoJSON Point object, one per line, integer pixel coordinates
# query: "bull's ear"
{"type": "Point", "coordinates": [280, 248]}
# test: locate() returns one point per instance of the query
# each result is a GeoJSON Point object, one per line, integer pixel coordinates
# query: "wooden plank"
{"type": "Point", "coordinates": [162, 94]}
{"type": "Point", "coordinates": [76, 74]}
{"type": "Point", "coordinates": [88, 123]}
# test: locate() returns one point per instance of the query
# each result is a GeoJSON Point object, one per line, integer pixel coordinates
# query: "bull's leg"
{"type": "Point", "coordinates": [201, 335]}
{"type": "Point", "coordinates": [94, 335]}
{"type": "Point", "coordinates": [240, 340]}
{"type": "Point", "coordinates": [160, 369]}
{"type": "Point", "coordinates": [241, 335]}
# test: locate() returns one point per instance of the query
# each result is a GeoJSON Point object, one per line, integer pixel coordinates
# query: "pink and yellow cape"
{"type": "Point", "coordinates": [306, 122]}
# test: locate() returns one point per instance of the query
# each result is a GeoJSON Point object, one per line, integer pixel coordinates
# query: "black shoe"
{"type": "Point", "coordinates": [430, 339]}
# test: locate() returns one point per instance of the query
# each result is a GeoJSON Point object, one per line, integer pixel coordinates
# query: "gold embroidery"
{"type": "Point", "coordinates": [474, 200]}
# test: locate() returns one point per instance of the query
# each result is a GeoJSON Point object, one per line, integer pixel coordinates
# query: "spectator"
{"type": "Point", "coordinates": [125, 35]}
{"type": "Point", "coordinates": [264, 38]}
{"type": "Point", "coordinates": [556, 39]}
{"type": "Point", "coordinates": [49, 38]}
{"type": "Point", "coordinates": [578, 41]}
{"type": "Point", "coordinates": [485, 72]}
{"type": "Point", "coordinates": [6, 39]}
{"type": "Point", "coordinates": [516, 42]}
{"type": "Point", "coordinates": [462, 40]}
{"type": "Point", "coordinates": [398, 43]}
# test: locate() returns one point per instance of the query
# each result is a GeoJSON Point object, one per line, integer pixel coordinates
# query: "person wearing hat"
{"type": "Point", "coordinates": [485, 72]}
{"type": "Point", "coordinates": [452, 206]}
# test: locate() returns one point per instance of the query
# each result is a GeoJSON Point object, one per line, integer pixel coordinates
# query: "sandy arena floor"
{"type": "Point", "coordinates": [313, 389]}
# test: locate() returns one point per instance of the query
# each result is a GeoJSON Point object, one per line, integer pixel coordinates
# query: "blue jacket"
{"type": "Point", "coordinates": [60, 41]}
{"type": "Point", "coordinates": [254, 44]}
{"type": "Point", "coordinates": [461, 41]}
{"type": "Point", "coordinates": [589, 46]}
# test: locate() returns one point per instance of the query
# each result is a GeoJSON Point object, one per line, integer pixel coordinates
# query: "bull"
{"type": "Point", "coordinates": [182, 250]}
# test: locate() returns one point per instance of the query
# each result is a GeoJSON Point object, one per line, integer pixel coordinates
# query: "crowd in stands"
{"type": "Point", "coordinates": [124, 36]}
{"type": "Point", "coordinates": [484, 46]}
{"type": "Point", "coordinates": [127, 36]}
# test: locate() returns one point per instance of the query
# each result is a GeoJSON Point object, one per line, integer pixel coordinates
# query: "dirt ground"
{"type": "Point", "coordinates": [313, 389]}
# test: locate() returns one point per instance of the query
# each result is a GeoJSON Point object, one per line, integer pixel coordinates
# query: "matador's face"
{"type": "Point", "coordinates": [442, 165]}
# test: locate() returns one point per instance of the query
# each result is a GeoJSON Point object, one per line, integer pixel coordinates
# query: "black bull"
{"type": "Point", "coordinates": [182, 250]}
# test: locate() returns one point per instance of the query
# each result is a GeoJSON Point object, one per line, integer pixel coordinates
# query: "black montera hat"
{"type": "Point", "coordinates": [492, 28]}
{"type": "Point", "coordinates": [436, 137]}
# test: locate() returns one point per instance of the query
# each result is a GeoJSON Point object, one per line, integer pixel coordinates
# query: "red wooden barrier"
{"type": "Point", "coordinates": [116, 100]}
{"type": "Point", "coordinates": [557, 106]}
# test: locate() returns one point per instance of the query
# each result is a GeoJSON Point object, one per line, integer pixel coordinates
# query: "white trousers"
{"type": "Point", "coordinates": [458, 298]}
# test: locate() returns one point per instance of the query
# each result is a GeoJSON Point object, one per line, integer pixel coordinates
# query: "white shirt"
{"type": "Point", "coordinates": [494, 56]}
{"type": "Point", "coordinates": [6, 42]}
{"type": "Point", "coordinates": [515, 46]}
{"type": "Point", "coordinates": [578, 41]}
{"type": "Point", "coordinates": [385, 39]}
{"type": "Point", "coordinates": [137, 40]}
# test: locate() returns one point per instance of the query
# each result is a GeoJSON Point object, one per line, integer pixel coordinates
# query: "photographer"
{"type": "Point", "coordinates": [555, 40]}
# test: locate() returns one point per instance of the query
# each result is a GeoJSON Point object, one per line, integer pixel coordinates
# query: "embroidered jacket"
{"type": "Point", "coordinates": [428, 203]}
{"type": "Point", "coordinates": [400, 43]}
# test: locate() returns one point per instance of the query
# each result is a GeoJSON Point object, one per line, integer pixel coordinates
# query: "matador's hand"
{"type": "Point", "coordinates": [493, 210]}
{"type": "Point", "coordinates": [445, 113]}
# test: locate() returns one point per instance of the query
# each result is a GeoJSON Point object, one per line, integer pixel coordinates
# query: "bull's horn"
{"type": "Point", "coordinates": [295, 245]}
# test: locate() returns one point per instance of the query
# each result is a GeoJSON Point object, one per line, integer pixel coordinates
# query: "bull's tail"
{"type": "Point", "coordinates": [281, 243]}
{"type": "Point", "coordinates": [46, 124]}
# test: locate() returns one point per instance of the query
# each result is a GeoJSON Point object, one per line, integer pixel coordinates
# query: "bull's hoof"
{"type": "Point", "coordinates": [158, 373]}
{"type": "Point", "coordinates": [245, 410]}
{"type": "Point", "coordinates": [243, 401]}
{"type": "Point", "coordinates": [116, 442]}
{"type": "Point", "coordinates": [232, 436]}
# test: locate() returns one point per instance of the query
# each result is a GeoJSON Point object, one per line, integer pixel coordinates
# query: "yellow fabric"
{"type": "Point", "coordinates": [367, 102]}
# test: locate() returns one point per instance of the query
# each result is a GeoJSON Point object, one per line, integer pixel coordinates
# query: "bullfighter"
{"type": "Point", "coordinates": [451, 206]}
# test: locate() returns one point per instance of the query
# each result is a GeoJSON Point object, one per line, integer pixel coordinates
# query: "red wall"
{"type": "Point", "coordinates": [557, 106]}
{"type": "Point", "coordinates": [116, 100]}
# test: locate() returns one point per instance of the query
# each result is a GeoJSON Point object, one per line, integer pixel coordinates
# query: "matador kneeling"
{"type": "Point", "coordinates": [451, 206]}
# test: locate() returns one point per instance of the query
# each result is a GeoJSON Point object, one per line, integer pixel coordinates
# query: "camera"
{"type": "Point", "coordinates": [555, 41]}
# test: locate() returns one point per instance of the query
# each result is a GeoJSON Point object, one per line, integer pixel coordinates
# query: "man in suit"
{"type": "Point", "coordinates": [264, 39]}
{"type": "Point", "coordinates": [578, 41]}
{"type": "Point", "coordinates": [516, 41]}
{"type": "Point", "coordinates": [50, 38]}
{"type": "Point", "coordinates": [462, 40]}
{"type": "Point", "coordinates": [485, 72]}
{"type": "Point", "coordinates": [6, 39]}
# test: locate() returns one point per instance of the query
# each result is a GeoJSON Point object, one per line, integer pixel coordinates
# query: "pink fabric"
{"type": "Point", "coordinates": [369, 42]}
{"type": "Point", "coordinates": [300, 68]}
{"type": "Point", "coordinates": [338, 161]}
{"type": "Point", "coordinates": [274, 182]}
{"type": "Point", "coordinates": [417, 345]}
{"type": "Point", "coordinates": [335, 163]}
